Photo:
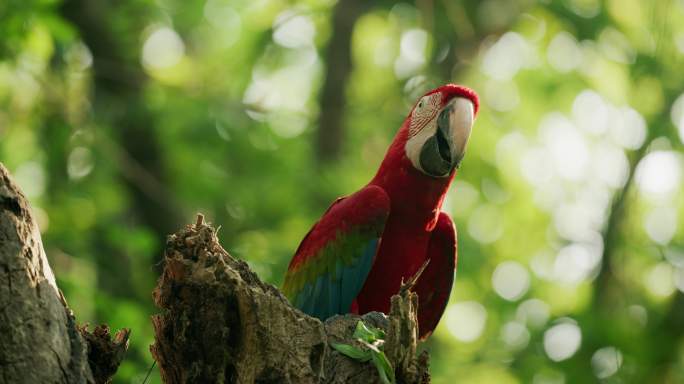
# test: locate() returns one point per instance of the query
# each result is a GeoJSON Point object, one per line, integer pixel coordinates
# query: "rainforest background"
{"type": "Point", "coordinates": [122, 119]}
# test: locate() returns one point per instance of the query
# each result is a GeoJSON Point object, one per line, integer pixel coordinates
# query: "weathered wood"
{"type": "Point", "coordinates": [221, 324]}
{"type": "Point", "coordinates": [39, 339]}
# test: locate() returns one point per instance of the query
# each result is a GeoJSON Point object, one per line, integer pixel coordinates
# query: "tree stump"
{"type": "Point", "coordinates": [221, 324]}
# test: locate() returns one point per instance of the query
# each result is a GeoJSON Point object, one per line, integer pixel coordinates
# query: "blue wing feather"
{"type": "Point", "coordinates": [333, 293]}
{"type": "Point", "coordinates": [338, 269]}
{"type": "Point", "coordinates": [354, 275]}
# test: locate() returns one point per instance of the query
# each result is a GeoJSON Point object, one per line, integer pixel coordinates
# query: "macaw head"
{"type": "Point", "coordinates": [438, 127]}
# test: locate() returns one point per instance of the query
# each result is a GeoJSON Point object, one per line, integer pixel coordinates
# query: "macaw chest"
{"type": "Point", "coordinates": [401, 252]}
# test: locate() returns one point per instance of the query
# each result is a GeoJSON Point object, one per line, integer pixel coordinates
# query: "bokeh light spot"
{"type": "Point", "coordinates": [484, 224]}
{"type": "Point", "coordinates": [31, 178]}
{"type": "Point", "coordinates": [510, 280]}
{"type": "Point", "coordinates": [567, 146]}
{"type": "Point", "coordinates": [466, 320]}
{"type": "Point", "coordinates": [661, 224]}
{"type": "Point", "coordinates": [163, 48]}
{"type": "Point", "coordinates": [80, 163]}
{"type": "Point", "coordinates": [591, 112]}
{"type": "Point", "coordinates": [576, 262]}
{"type": "Point", "coordinates": [562, 340]}
{"type": "Point", "coordinates": [507, 56]}
{"type": "Point", "coordinates": [628, 128]}
{"type": "Point", "coordinates": [515, 335]}
{"type": "Point", "coordinates": [533, 312]}
{"type": "Point", "coordinates": [293, 31]}
{"type": "Point", "coordinates": [659, 174]}
{"type": "Point", "coordinates": [677, 114]}
{"type": "Point", "coordinates": [563, 53]}
{"type": "Point", "coordinates": [412, 50]}
{"type": "Point", "coordinates": [606, 362]}
{"type": "Point", "coordinates": [659, 280]}
{"type": "Point", "coordinates": [225, 19]}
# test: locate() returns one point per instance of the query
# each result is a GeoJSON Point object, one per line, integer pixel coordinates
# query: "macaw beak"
{"type": "Point", "coordinates": [444, 151]}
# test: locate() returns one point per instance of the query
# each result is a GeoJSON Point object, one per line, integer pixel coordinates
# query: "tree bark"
{"type": "Point", "coordinates": [40, 341]}
{"type": "Point", "coordinates": [330, 130]}
{"type": "Point", "coordinates": [221, 324]}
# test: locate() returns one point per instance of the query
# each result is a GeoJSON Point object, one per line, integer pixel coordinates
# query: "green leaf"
{"type": "Point", "coordinates": [372, 338]}
{"type": "Point", "coordinates": [383, 366]}
{"type": "Point", "coordinates": [352, 352]}
{"type": "Point", "coordinates": [368, 334]}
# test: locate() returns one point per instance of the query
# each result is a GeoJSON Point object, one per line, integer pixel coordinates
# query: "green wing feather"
{"type": "Point", "coordinates": [334, 259]}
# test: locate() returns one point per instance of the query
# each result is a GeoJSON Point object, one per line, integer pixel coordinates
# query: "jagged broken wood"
{"type": "Point", "coordinates": [221, 324]}
{"type": "Point", "coordinates": [40, 341]}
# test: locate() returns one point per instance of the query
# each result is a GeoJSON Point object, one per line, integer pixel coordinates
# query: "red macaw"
{"type": "Point", "coordinates": [355, 257]}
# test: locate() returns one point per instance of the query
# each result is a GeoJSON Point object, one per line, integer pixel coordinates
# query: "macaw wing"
{"type": "Point", "coordinates": [434, 284]}
{"type": "Point", "coordinates": [334, 259]}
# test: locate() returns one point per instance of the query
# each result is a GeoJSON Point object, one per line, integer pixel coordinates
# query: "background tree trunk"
{"type": "Point", "coordinates": [330, 133]}
{"type": "Point", "coordinates": [118, 95]}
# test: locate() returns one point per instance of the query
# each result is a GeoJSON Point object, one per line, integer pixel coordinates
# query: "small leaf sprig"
{"type": "Point", "coordinates": [372, 339]}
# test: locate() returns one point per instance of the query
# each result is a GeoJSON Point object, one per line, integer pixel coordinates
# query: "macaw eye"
{"type": "Point", "coordinates": [422, 103]}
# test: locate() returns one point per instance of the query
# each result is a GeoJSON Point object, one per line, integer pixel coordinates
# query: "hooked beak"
{"type": "Point", "coordinates": [444, 151]}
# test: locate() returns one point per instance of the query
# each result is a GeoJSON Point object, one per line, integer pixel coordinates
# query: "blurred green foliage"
{"type": "Point", "coordinates": [121, 120]}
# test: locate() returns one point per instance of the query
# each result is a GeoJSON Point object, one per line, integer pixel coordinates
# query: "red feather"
{"type": "Point", "coordinates": [434, 284]}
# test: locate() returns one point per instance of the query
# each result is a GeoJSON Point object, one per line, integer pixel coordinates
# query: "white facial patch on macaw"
{"type": "Point", "coordinates": [423, 126]}
{"type": "Point", "coordinates": [425, 110]}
